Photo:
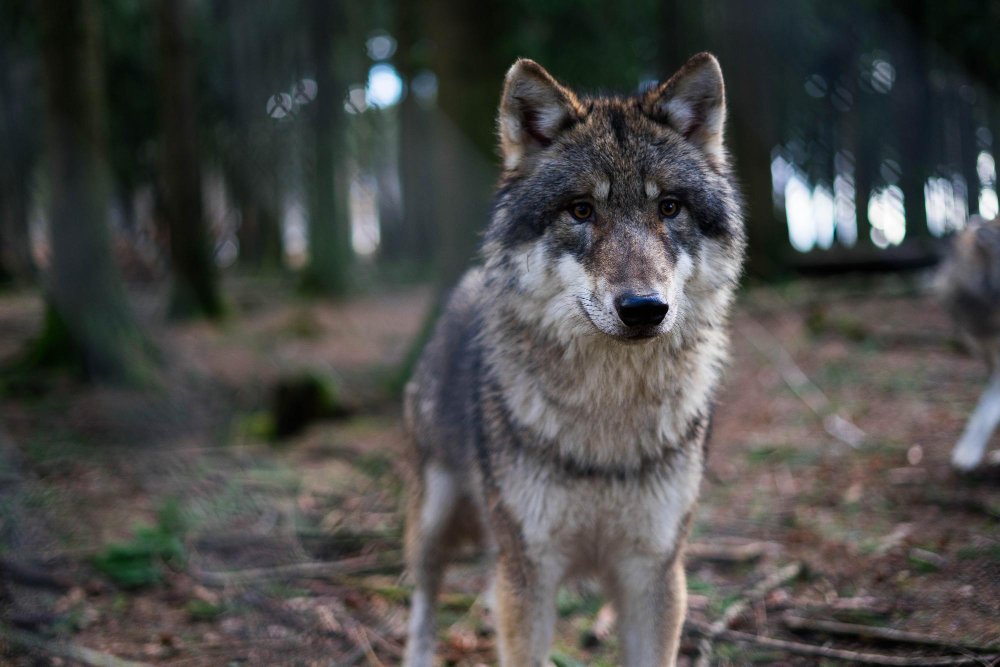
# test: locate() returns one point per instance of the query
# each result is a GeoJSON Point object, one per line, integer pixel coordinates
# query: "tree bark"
{"type": "Point", "coordinates": [196, 291]}
{"type": "Point", "coordinates": [88, 314]}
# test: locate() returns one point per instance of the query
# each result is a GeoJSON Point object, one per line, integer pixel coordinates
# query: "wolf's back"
{"type": "Point", "coordinates": [968, 284]}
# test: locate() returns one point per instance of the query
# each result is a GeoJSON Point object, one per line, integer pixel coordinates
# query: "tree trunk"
{"type": "Point", "coordinates": [196, 291]}
{"type": "Point", "coordinates": [969, 152]}
{"type": "Point", "coordinates": [330, 254]}
{"type": "Point", "coordinates": [752, 132]}
{"type": "Point", "coordinates": [259, 234]}
{"type": "Point", "coordinates": [88, 314]}
{"type": "Point", "coordinates": [867, 159]}
{"type": "Point", "coordinates": [17, 145]}
{"type": "Point", "coordinates": [254, 156]}
{"type": "Point", "coordinates": [416, 184]}
{"type": "Point", "coordinates": [912, 101]}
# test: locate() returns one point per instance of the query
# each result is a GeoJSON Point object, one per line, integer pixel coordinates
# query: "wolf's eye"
{"type": "Point", "coordinates": [669, 208]}
{"type": "Point", "coordinates": [581, 211]}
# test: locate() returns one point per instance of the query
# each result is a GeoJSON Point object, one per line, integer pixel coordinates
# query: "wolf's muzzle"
{"type": "Point", "coordinates": [641, 311]}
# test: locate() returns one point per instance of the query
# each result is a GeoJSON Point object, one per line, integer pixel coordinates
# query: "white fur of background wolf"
{"type": "Point", "coordinates": [968, 286]}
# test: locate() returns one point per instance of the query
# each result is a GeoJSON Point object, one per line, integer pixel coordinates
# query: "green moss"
{"type": "Point", "coordinates": [374, 465]}
{"type": "Point", "coordinates": [773, 454]}
{"type": "Point", "coordinates": [562, 660]}
{"type": "Point", "coordinates": [570, 601]}
{"type": "Point", "coordinates": [201, 610]}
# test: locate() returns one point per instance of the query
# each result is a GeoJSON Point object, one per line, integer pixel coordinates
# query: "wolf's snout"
{"type": "Point", "coordinates": [641, 311]}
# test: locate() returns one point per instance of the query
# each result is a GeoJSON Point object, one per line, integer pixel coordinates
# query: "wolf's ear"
{"type": "Point", "coordinates": [534, 109]}
{"type": "Point", "coordinates": [693, 102]}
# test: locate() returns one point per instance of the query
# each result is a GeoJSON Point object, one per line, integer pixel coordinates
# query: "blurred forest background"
{"type": "Point", "coordinates": [223, 222]}
{"type": "Point", "coordinates": [351, 145]}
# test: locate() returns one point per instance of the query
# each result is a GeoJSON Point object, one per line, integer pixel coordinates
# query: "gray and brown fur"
{"type": "Point", "coordinates": [968, 286]}
{"type": "Point", "coordinates": [567, 442]}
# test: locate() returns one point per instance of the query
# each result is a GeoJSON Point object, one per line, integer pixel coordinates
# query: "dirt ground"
{"type": "Point", "coordinates": [164, 526]}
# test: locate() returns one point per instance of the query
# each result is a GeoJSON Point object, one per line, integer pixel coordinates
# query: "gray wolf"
{"type": "Point", "coordinates": [560, 411]}
{"type": "Point", "coordinates": [968, 286]}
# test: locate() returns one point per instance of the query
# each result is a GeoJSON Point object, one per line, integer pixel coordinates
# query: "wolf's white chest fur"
{"type": "Point", "coordinates": [587, 525]}
{"type": "Point", "coordinates": [609, 406]}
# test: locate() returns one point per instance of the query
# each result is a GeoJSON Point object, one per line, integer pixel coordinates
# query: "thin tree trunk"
{"type": "Point", "coordinates": [196, 291]}
{"type": "Point", "coordinates": [866, 163]}
{"type": "Point", "coordinates": [88, 314]}
{"type": "Point", "coordinates": [969, 152]}
{"type": "Point", "coordinates": [912, 102]}
{"type": "Point", "coordinates": [329, 224]}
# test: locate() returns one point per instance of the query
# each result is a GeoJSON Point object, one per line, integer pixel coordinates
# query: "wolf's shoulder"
{"type": "Point", "coordinates": [466, 299]}
{"type": "Point", "coordinates": [447, 371]}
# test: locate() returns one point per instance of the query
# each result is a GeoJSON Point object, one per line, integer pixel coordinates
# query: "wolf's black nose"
{"type": "Point", "coordinates": [641, 311]}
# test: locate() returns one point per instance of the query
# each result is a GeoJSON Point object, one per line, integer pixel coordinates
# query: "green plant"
{"type": "Point", "coordinates": [140, 561]}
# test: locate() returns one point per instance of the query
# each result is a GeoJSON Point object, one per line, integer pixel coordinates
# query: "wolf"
{"type": "Point", "coordinates": [968, 287]}
{"type": "Point", "coordinates": [559, 412]}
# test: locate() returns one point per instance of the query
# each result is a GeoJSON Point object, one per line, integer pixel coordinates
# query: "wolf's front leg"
{"type": "Point", "coordinates": [971, 447]}
{"type": "Point", "coordinates": [650, 596]}
{"type": "Point", "coordinates": [526, 609]}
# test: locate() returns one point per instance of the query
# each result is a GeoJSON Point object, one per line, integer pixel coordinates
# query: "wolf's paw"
{"type": "Point", "coordinates": [965, 459]}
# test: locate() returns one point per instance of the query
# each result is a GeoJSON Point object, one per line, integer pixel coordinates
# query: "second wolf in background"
{"type": "Point", "coordinates": [968, 286]}
{"type": "Point", "coordinates": [560, 411]}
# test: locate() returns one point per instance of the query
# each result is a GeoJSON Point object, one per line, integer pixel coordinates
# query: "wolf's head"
{"type": "Point", "coordinates": [615, 215]}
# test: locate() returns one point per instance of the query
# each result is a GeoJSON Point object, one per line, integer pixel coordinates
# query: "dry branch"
{"type": "Point", "coordinates": [838, 654]}
{"type": "Point", "coordinates": [318, 570]}
{"type": "Point", "coordinates": [871, 632]}
{"type": "Point", "coordinates": [87, 656]}
{"type": "Point", "coordinates": [775, 580]}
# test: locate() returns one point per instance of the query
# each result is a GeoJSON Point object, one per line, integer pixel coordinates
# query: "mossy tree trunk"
{"type": "Point", "coordinates": [88, 312]}
{"type": "Point", "coordinates": [196, 292]}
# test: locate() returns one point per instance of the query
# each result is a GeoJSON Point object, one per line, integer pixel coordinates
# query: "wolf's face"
{"type": "Point", "coordinates": [614, 213]}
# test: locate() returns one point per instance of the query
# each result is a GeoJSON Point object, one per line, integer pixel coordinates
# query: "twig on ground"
{"type": "Point", "coordinates": [727, 553]}
{"type": "Point", "coordinates": [767, 344]}
{"type": "Point", "coordinates": [87, 656]}
{"type": "Point", "coordinates": [966, 502]}
{"type": "Point", "coordinates": [775, 580]}
{"type": "Point", "coordinates": [318, 570]}
{"type": "Point", "coordinates": [865, 605]}
{"type": "Point", "coordinates": [352, 658]}
{"type": "Point", "coordinates": [357, 634]}
{"type": "Point", "coordinates": [33, 575]}
{"type": "Point", "coordinates": [870, 632]}
{"type": "Point", "coordinates": [838, 654]}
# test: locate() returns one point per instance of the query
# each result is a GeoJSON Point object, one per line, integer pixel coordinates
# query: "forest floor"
{"type": "Point", "coordinates": [163, 526]}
